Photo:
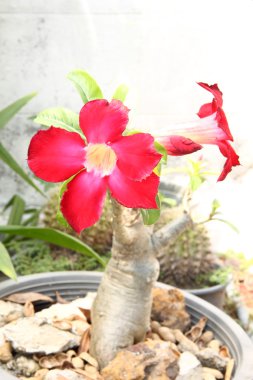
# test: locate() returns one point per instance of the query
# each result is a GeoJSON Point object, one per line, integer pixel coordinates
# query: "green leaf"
{"type": "Point", "coordinates": [86, 85]}
{"type": "Point", "coordinates": [54, 237]}
{"type": "Point", "coordinates": [5, 263]}
{"type": "Point", "coordinates": [215, 206]}
{"type": "Point", "coordinates": [7, 113]}
{"type": "Point", "coordinates": [33, 219]}
{"type": "Point", "coordinates": [150, 216]}
{"type": "Point", "coordinates": [59, 117]}
{"type": "Point", "coordinates": [17, 205]}
{"type": "Point", "coordinates": [60, 218]}
{"type": "Point", "coordinates": [59, 215]}
{"type": "Point", "coordinates": [17, 210]}
{"type": "Point", "coordinates": [231, 225]}
{"type": "Point", "coordinates": [195, 182]}
{"type": "Point", "coordinates": [161, 149]}
{"type": "Point", "coordinates": [64, 185]}
{"type": "Point", "coordinates": [131, 132]}
{"type": "Point", "coordinates": [6, 157]}
{"type": "Point", "coordinates": [158, 169]}
{"type": "Point", "coordinates": [121, 93]}
{"type": "Point", "coordinates": [9, 203]}
{"type": "Point", "coordinates": [169, 201]}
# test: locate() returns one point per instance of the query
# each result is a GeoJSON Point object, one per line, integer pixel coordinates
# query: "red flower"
{"type": "Point", "coordinates": [122, 164]}
{"type": "Point", "coordinates": [212, 128]}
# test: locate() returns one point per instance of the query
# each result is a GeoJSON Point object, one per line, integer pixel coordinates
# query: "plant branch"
{"type": "Point", "coordinates": [170, 232]}
{"type": "Point", "coordinates": [128, 230]}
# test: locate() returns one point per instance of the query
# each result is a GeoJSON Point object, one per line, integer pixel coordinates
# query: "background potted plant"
{"type": "Point", "coordinates": [190, 262]}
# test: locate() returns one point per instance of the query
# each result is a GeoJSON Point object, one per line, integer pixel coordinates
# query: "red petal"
{"type": "Point", "coordinates": [179, 145]}
{"type": "Point", "coordinates": [54, 155]}
{"type": "Point", "coordinates": [232, 158]}
{"type": "Point", "coordinates": [134, 193]}
{"type": "Point", "coordinates": [214, 89]}
{"type": "Point", "coordinates": [209, 109]}
{"type": "Point", "coordinates": [82, 202]}
{"type": "Point", "coordinates": [206, 110]}
{"type": "Point", "coordinates": [103, 122]}
{"type": "Point", "coordinates": [136, 155]}
{"type": "Point", "coordinates": [222, 123]}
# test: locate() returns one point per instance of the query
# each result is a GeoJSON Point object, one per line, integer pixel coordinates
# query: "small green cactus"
{"type": "Point", "coordinates": [189, 258]}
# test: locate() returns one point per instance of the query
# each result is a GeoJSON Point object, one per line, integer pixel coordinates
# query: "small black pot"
{"type": "Point", "coordinates": [76, 284]}
{"type": "Point", "coordinates": [213, 294]}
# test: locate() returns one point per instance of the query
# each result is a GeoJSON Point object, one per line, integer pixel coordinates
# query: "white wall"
{"type": "Point", "coordinates": [159, 48]}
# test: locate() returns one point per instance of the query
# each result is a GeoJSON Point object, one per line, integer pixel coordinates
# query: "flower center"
{"type": "Point", "coordinates": [100, 158]}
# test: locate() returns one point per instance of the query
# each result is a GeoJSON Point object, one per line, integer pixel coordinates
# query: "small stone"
{"type": "Point", "coordinates": [187, 362]}
{"type": "Point", "coordinates": [60, 311]}
{"type": "Point", "coordinates": [89, 375]}
{"type": "Point", "coordinates": [210, 358]}
{"type": "Point", "coordinates": [224, 352]}
{"type": "Point", "coordinates": [208, 376]}
{"type": "Point", "coordinates": [217, 374]}
{"type": "Point", "coordinates": [85, 302]}
{"type": "Point", "coordinates": [155, 326]}
{"type": "Point", "coordinates": [5, 349]}
{"type": "Point", "coordinates": [185, 344]}
{"type": "Point", "coordinates": [41, 373]}
{"type": "Point", "coordinates": [151, 360]}
{"type": "Point", "coordinates": [9, 312]}
{"type": "Point", "coordinates": [79, 327]}
{"type": "Point", "coordinates": [166, 334]}
{"type": "Point", "coordinates": [23, 365]}
{"type": "Point", "coordinates": [196, 331]}
{"type": "Point", "coordinates": [62, 325]}
{"type": "Point", "coordinates": [28, 309]}
{"type": "Point", "coordinates": [5, 352]}
{"type": "Point", "coordinates": [169, 310]}
{"type": "Point", "coordinates": [194, 374]}
{"type": "Point", "coordinates": [89, 359]}
{"type": "Point", "coordinates": [90, 369]}
{"type": "Point", "coordinates": [71, 353]}
{"type": "Point", "coordinates": [77, 362]}
{"type": "Point", "coordinates": [66, 374]}
{"type": "Point", "coordinates": [42, 338]}
{"type": "Point", "coordinates": [52, 361]}
{"type": "Point", "coordinates": [155, 336]}
{"type": "Point", "coordinates": [214, 344]}
{"type": "Point", "coordinates": [205, 338]}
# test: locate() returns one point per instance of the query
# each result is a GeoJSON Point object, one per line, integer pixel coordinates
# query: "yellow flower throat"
{"type": "Point", "coordinates": [100, 158]}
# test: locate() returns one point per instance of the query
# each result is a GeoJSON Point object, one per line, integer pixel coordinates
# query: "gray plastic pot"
{"type": "Point", "coordinates": [213, 294]}
{"type": "Point", "coordinates": [76, 284]}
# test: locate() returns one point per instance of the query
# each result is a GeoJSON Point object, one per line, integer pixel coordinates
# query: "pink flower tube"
{"type": "Point", "coordinates": [212, 128]}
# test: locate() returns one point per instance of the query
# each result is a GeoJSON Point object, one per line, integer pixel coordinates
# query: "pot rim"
{"type": "Point", "coordinates": [207, 289]}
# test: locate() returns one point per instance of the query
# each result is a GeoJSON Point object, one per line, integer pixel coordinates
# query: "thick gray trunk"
{"type": "Point", "coordinates": [121, 311]}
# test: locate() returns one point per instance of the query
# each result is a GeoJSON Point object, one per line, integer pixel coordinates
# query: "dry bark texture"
{"type": "Point", "coordinates": [121, 311]}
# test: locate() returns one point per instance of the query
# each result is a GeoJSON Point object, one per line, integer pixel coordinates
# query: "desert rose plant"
{"type": "Point", "coordinates": [98, 156]}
